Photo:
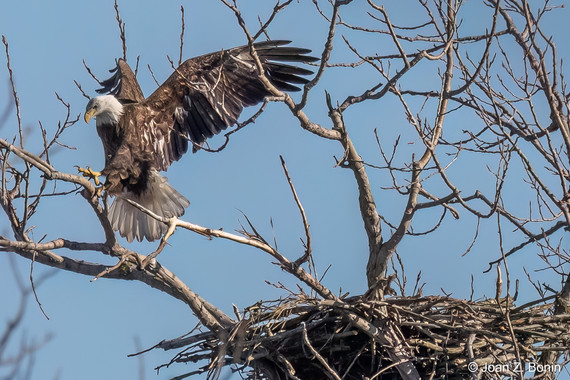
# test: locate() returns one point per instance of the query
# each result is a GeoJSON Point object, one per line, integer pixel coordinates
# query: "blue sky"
{"type": "Point", "coordinates": [94, 325]}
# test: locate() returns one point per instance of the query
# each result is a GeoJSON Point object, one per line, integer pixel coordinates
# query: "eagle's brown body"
{"type": "Point", "coordinates": [203, 96]}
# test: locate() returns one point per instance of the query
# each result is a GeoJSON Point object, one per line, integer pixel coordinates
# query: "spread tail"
{"type": "Point", "coordinates": [159, 197]}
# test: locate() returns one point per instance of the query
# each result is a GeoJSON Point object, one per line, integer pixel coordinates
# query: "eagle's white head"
{"type": "Point", "coordinates": [105, 108]}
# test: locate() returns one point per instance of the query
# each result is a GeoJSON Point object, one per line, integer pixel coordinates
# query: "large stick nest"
{"type": "Point", "coordinates": [303, 338]}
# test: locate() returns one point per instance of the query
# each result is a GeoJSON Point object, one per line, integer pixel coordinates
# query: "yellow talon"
{"type": "Point", "coordinates": [98, 191]}
{"type": "Point", "coordinates": [89, 173]}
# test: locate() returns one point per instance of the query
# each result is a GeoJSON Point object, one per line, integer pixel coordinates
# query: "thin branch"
{"type": "Point", "coordinates": [182, 27]}
{"type": "Point", "coordinates": [255, 241]}
{"type": "Point", "coordinates": [322, 360]}
{"type": "Point", "coordinates": [307, 254]}
{"type": "Point", "coordinates": [14, 92]}
{"type": "Point", "coordinates": [121, 30]}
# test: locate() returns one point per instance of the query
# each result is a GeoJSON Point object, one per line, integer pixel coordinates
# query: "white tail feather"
{"type": "Point", "coordinates": [160, 198]}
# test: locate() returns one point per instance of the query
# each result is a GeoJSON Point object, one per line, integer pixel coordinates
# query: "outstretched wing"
{"type": "Point", "coordinates": [206, 94]}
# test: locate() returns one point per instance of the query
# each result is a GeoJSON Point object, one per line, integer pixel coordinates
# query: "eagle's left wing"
{"type": "Point", "coordinates": [207, 94]}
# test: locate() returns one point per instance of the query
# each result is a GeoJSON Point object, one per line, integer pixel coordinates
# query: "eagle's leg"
{"type": "Point", "coordinates": [89, 173]}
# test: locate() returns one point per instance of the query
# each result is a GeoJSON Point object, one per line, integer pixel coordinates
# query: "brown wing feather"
{"type": "Point", "coordinates": [123, 84]}
{"type": "Point", "coordinates": [207, 94]}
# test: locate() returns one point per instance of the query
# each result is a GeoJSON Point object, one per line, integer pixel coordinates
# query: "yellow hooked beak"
{"type": "Point", "coordinates": [89, 114]}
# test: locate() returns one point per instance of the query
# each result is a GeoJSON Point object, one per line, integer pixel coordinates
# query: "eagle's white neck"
{"type": "Point", "coordinates": [109, 110]}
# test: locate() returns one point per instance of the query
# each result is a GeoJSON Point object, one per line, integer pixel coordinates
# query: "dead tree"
{"type": "Point", "coordinates": [494, 95]}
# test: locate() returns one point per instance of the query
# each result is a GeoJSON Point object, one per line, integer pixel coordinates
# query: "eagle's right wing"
{"type": "Point", "coordinates": [123, 84]}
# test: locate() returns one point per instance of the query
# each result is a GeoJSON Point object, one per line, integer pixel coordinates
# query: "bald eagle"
{"type": "Point", "coordinates": [144, 136]}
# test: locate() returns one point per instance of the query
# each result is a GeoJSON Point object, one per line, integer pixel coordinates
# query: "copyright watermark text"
{"type": "Point", "coordinates": [513, 367]}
